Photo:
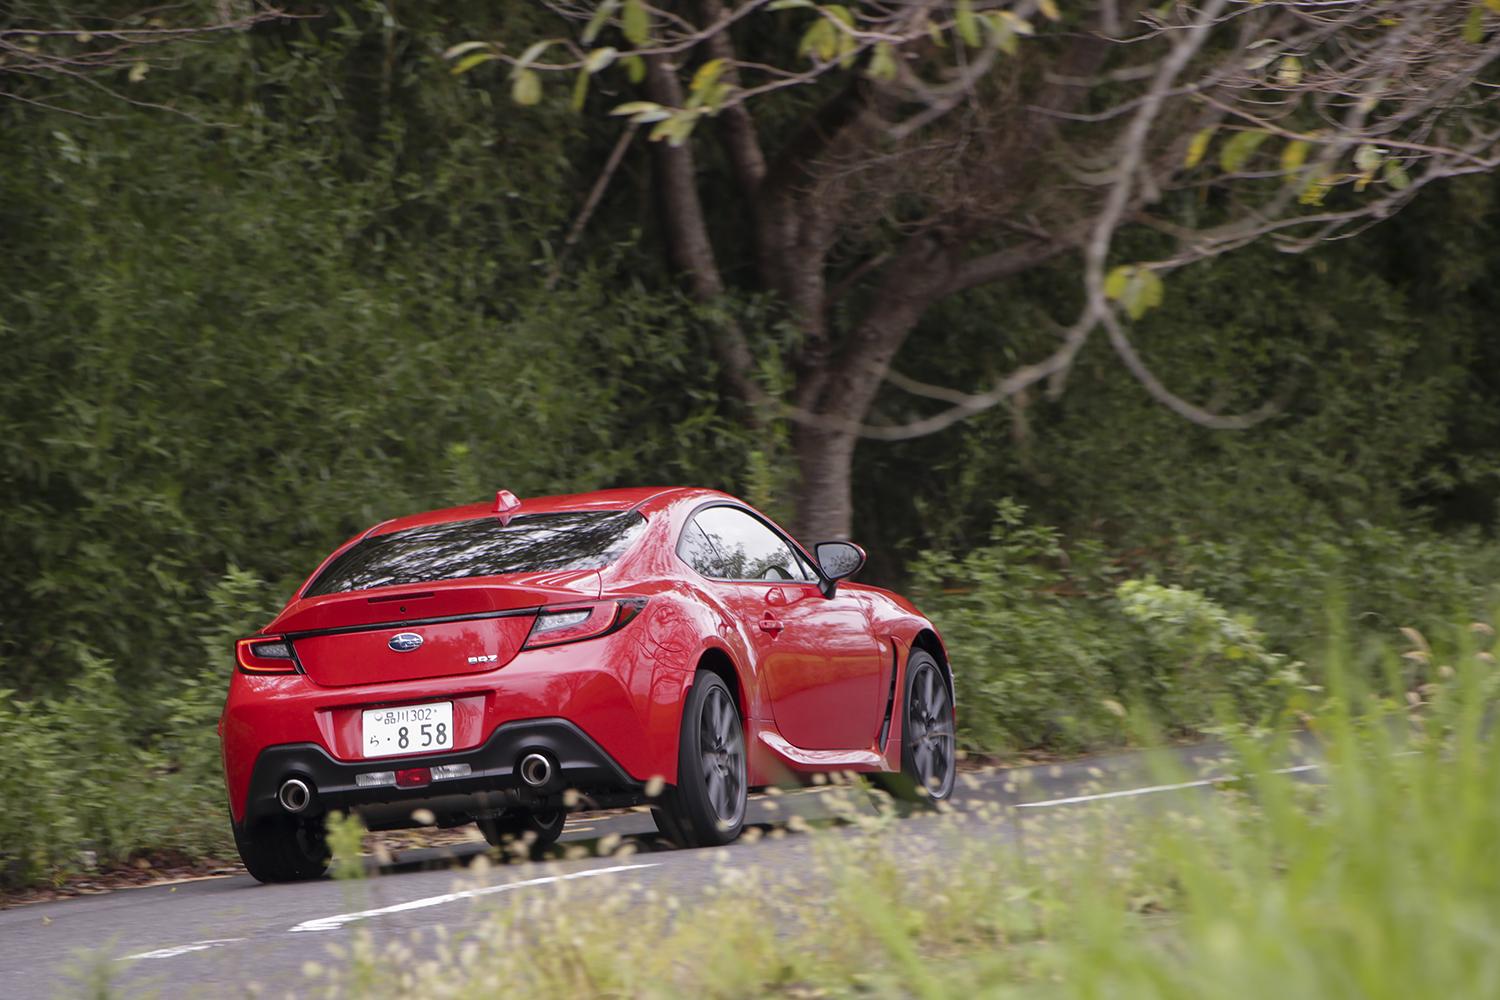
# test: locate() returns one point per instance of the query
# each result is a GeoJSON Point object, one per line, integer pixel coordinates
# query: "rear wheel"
{"type": "Point", "coordinates": [928, 743]}
{"type": "Point", "coordinates": [545, 824]}
{"type": "Point", "coordinates": [707, 807]}
{"type": "Point", "coordinates": [283, 848]}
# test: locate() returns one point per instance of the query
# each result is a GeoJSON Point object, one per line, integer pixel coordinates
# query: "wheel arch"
{"type": "Point", "coordinates": [718, 662]}
{"type": "Point", "coordinates": [927, 640]}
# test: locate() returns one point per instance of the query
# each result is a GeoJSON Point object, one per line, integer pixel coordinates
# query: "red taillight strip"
{"type": "Point", "coordinates": [605, 617]}
{"type": "Point", "coordinates": [252, 663]}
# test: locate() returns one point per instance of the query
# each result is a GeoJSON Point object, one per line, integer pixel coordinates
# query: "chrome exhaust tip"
{"type": "Point", "coordinates": [294, 795]}
{"type": "Point", "coordinates": [536, 769]}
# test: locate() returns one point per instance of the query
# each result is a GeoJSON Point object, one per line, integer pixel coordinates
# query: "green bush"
{"type": "Point", "coordinates": [1201, 653]}
{"type": "Point", "coordinates": [1033, 667]}
{"type": "Point", "coordinates": [1047, 651]}
{"type": "Point", "coordinates": [96, 776]}
{"type": "Point", "coordinates": [1383, 577]}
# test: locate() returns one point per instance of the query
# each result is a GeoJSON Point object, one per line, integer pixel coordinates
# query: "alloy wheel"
{"type": "Point", "coordinates": [721, 745]}
{"type": "Point", "coordinates": [930, 732]}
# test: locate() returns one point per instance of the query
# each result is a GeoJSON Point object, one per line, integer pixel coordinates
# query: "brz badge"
{"type": "Point", "coordinates": [491, 658]}
{"type": "Point", "coordinates": [405, 642]}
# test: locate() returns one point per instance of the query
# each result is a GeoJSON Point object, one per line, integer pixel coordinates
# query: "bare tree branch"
{"type": "Point", "coordinates": [43, 48]}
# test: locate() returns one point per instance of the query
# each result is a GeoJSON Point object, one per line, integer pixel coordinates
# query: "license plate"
{"type": "Point", "coordinates": [389, 732]}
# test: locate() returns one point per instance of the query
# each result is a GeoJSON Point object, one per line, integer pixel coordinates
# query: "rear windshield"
{"type": "Point", "coordinates": [483, 547]}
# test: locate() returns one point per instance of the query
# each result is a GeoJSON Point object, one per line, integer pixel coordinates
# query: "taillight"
{"type": "Point", "coordinates": [261, 655]}
{"type": "Point", "coordinates": [570, 623]}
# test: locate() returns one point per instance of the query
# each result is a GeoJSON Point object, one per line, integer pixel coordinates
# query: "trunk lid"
{"type": "Point", "coordinates": [414, 632]}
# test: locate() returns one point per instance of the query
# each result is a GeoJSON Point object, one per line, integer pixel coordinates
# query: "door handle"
{"type": "Point", "coordinates": [771, 625]}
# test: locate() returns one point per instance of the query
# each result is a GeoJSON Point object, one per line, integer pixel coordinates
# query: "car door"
{"type": "Point", "coordinates": [818, 659]}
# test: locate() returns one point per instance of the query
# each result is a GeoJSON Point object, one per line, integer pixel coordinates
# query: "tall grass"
{"type": "Point", "coordinates": [1374, 876]}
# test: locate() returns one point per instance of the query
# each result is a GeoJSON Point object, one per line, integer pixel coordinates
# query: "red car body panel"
{"type": "Point", "coordinates": [815, 688]}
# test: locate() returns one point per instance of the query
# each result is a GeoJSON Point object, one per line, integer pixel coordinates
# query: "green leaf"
{"type": "Point", "coordinates": [1198, 146]}
{"type": "Point", "coordinates": [601, 17]}
{"type": "Point", "coordinates": [1395, 175]}
{"type": "Point", "coordinates": [1289, 71]}
{"type": "Point", "coordinates": [1018, 24]}
{"type": "Point", "coordinates": [1294, 155]}
{"type": "Point", "coordinates": [1003, 34]}
{"type": "Point", "coordinates": [642, 112]}
{"type": "Point", "coordinates": [966, 24]}
{"type": "Point", "coordinates": [1368, 157]}
{"type": "Point", "coordinates": [1137, 288]}
{"type": "Point", "coordinates": [1474, 26]}
{"type": "Point", "coordinates": [1114, 284]}
{"type": "Point", "coordinates": [636, 22]}
{"type": "Point", "coordinates": [138, 71]}
{"type": "Point", "coordinates": [1261, 53]}
{"type": "Point", "coordinates": [883, 62]}
{"type": "Point", "coordinates": [848, 51]}
{"type": "Point", "coordinates": [707, 74]}
{"type": "Point", "coordinates": [453, 52]}
{"type": "Point", "coordinates": [820, 41]}
{"type": "Point", "coordinates": [525, 86]}
{"type": "Point", "coordinates": [1238, 150]}
{"type": "Point", "coordinates": [714, 96]}
{"type": "Point", "coordinates": [789, 4]}
{"type": "Point", "coordinates": [1049, 9]}
{"type": "Point", "coordinates": [1314, 189]}
{"type": "Point", "coordinates": [468, 62]}
{"type": "Point", "coordinates": [635, 68]}
{"type": "Point", "coordinates": [599, 59]}
{"type": "Point", "coordinates": [580, 91]}
{"type": "Point", "coordinates": [675, 129]}
{"type": "Point", "coordinates": [532, 52]}
{"type": "Point", "coordinates": [1153, 290]}
{"type": "Point", "coordinates": [1493, 5]}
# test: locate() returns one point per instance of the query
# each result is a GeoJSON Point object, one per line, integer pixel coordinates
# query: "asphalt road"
{"type": "Point", "coordinates": [230, 935]}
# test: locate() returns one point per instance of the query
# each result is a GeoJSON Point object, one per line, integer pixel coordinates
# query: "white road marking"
{"type": "Point", "coordinates": [1153, 789]}
{"type": "Point", "coordinates": [181, 949]}
{"type": "Point", "coordinates": [338, 920]}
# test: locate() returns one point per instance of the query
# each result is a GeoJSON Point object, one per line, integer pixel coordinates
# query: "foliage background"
{"type": "Point", "coordinates": [331, 286]}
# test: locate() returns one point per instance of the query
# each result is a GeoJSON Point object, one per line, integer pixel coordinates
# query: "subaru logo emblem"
{"type": "Point", "coordinates": [405, 642]}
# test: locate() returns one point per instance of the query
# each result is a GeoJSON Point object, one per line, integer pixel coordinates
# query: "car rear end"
{"type": "Point", "coordinates": [463, 666]}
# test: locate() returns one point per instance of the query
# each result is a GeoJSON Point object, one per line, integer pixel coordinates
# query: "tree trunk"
{"type": "Point", "coordinates": [846, 387]}
{"type": "Point", "coordinates": [825, 489]}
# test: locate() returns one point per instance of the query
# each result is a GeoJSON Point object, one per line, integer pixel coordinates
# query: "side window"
{"type": "Point", "coordinates": [744, 548]}
{"type": "Point", "coordinates": [698, 552]}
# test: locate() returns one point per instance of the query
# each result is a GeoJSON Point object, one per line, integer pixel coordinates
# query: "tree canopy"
{"type": "Point", "coordinates": [883, 158]}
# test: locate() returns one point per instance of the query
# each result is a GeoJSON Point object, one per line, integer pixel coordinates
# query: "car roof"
{"type": "Point", "coordinates": [628, 498]}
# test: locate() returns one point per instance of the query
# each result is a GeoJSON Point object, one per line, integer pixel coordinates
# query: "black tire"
{"type": "Point", "coordinates": [929, 747]}
{"type": "Point", "coordinates": [283, 848]}
{"type": "Point", "coordinates": [707, 806]}
{"type": "Point", "coordinates": [546, 824]}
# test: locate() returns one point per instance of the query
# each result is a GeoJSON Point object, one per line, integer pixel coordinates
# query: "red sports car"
{"type": "Point", "coordinates": [670, 646]}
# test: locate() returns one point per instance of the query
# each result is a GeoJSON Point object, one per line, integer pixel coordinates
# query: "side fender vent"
{"type": "Point", "coordinates": [890, 698]}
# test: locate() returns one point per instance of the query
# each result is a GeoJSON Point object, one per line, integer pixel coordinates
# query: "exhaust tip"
{"type": "Point", "coordinates": [294, 795]}
{"type": "Point", "coordinates": [536, 769]}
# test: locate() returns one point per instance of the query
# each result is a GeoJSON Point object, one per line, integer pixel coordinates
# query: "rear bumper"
{"type": "Point", "coordinates": [614, 690]}
{"type": "Point", "coordinates": [492, 784]}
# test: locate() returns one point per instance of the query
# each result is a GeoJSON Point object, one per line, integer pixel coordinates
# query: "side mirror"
{"type": "Point", "coordinates": [838, 560]}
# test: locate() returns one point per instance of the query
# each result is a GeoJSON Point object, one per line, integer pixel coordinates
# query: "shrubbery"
{"type": "Point", "coordinates": [1048, 643]}
{"type": "Point", "coordinates": [94, 777]}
